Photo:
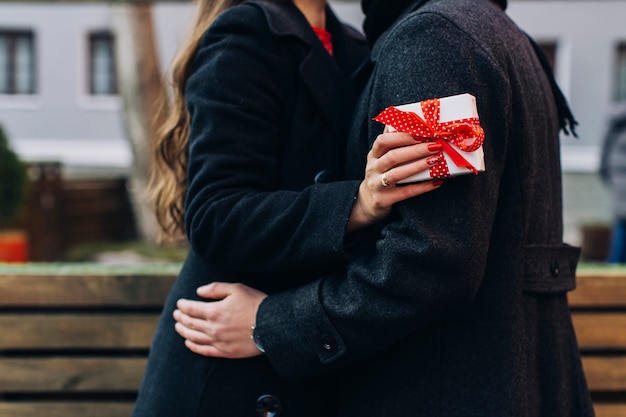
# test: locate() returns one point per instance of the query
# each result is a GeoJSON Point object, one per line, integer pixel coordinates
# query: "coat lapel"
{"type": "Point", "coordinates": [327, 79]}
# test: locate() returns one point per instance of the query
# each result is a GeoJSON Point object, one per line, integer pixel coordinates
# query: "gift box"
{"type": "Point", "coordinates": [451, 121]}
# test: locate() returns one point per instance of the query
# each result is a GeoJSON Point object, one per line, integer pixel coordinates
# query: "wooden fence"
{"type": "Point", "coordinates": [64, 213]}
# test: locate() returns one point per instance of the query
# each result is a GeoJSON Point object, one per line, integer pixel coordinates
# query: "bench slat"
{"type": "Point", "coordinates": [124, 374]}
{"type": "Point", "coordinates": [606, 374]}
{"type": "Point", "coordinates": [84, 291]}
{"type": "Point", "coordinates": [77, 331]}
{"type": "Point", "coordinates": [610, 410]}
{"type": "Point", "coordinates": [66, 409]}
{"type": "Point", "coordinates": [600, 330]}
{"type": "Point", "coordinates": [594, 290]}
{"type": "Point", "coordinates": [68, 375]}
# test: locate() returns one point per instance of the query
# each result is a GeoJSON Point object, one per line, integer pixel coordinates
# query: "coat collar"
{"type": "Point", "coordinates": [411, 7]}
{"type": "Point", "coordinates": [327, 79]}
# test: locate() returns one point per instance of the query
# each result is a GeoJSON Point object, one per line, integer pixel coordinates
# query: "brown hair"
{"type": "Point", "coordinates": [168, 181]}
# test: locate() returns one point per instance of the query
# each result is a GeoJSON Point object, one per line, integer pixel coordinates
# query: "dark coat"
{"type": "Point", "coordinates": [270, 112]}
{"type": "Point", "coordinates": [457, 306]}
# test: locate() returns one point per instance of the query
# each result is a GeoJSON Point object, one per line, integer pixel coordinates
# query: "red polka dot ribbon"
{"type": "Point", "coordinates": [466, 134]}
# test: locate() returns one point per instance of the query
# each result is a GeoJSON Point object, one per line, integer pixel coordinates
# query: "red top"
{"type": "Point", "coordinates": [326, 38]}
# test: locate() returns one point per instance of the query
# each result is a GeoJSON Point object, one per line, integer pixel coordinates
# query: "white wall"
{"type": "Point", "coordinates": [62, 122]}
{"type": "Point", "coordinates": [586, 33]}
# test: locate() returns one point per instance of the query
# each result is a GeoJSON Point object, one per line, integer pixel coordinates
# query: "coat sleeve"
{"type": "Point", "coordinates": [237, 216]}
{"type": "Point", "coordinates": [428, 260]}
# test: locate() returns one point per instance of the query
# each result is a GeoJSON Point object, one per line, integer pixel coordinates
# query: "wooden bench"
{"type": "Point", "coordinates": [599, 311]}
{"type": "Point", "coordinates": [75, 343]}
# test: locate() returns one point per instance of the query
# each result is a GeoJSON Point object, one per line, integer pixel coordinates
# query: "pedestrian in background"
{"type": "Point", "coordinates": [613, 173]}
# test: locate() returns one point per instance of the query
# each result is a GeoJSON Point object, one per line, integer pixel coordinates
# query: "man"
{"type": "Point", "coordinates": [455, 306]}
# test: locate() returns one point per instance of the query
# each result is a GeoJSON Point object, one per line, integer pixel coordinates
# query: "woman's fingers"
{"type": "Point", "coordinates": [387, 141]}
{"type": "Point", "coordinates": [401, 156]}
{"type": "Point", "coordinates": [403, 171]}
{"type": "Point", "coordinates": [391, 150]}
{"type": "Point", "coordinates": [393, 158]}
{"type": "Point", "coordinates": [411, 190]}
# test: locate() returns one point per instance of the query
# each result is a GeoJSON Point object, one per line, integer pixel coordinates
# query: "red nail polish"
{"type": "Point", "coordinates": [435, 147]}
{"type": "Point", "coordinates": [437, 183]}
{"type": "Point", "coordinates": [435, 159]}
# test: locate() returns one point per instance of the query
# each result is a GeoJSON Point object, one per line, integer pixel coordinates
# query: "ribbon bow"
{"type": "Point", "coordinates": [465, 134]}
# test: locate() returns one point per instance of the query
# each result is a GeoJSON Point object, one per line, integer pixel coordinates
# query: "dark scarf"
{"type": "Point", "coordinates": [381, 14]}
{"type": "Point", "coordinates": [567, 122]}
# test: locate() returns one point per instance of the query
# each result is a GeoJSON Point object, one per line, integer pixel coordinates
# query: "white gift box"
{"type": "Point", "coordinates": [462, 106]}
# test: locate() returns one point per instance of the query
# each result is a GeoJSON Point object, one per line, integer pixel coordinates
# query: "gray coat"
{"type": "Point", "coordinates": [613, 163]}
{"type": "Point", "coordinates": [457, 305]}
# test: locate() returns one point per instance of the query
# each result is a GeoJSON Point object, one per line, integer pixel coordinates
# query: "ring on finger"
{"type": "Point", "coordinates": [384, 181]}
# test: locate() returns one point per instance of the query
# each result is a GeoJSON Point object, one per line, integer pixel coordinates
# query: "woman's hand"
{"type": "Point", "coordinates": [220, 328]}
{"type": "Point", "coordinates": [393, 157]}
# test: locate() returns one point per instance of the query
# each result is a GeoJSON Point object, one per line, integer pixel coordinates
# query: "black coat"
{"type": "Point", "coordinates": [270, 113]}
{"type": "Point", "coordinates": [457, 306]}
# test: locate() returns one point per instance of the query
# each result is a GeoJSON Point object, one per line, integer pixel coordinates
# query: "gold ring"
{"type": "Point", "coordinates": [384, 181]}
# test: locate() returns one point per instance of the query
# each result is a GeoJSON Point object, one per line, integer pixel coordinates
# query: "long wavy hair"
{"type": "Point", "coordinates": [168, 180]}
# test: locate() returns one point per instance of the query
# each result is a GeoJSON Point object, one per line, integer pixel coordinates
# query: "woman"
{"type": "Point", "coordinates": [255, 140]}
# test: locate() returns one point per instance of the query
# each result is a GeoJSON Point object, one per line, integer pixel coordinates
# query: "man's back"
{"type": "Point", "coordinates": [479, 264]}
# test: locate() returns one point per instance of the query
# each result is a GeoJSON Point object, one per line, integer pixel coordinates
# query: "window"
{"type": "Point", "coordinates": [549, 49]}
{"type": "Point", "coordinates": [620, 73]}
{"type": "Point", "coordinates": [17, 62]}
{"type": "Point", "coordinates": [102, 76]}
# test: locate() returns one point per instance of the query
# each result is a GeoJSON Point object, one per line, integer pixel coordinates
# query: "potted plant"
{"type": "Point", "coordinates": [13, 179]}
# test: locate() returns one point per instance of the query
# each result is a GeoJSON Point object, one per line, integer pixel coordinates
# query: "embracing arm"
{"type": "Point", "coordinates": [428, 260]}
{"type": "Point", "coordinates": [424, 263]}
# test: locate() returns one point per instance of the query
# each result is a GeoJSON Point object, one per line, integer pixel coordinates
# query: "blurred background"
{"type": "Point", "coordinates": [78, 81]}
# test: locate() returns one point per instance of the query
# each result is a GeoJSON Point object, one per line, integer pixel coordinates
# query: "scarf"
{"type": "Point", "coordinates": [380, 15]}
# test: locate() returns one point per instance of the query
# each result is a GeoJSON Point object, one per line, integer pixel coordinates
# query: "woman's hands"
{"type": "Point", "coordinates": [393, 157]}
{"type": "Point", "coordinates": [220, 328]}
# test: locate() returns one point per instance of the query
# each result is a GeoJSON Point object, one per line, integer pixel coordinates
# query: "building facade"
{"type": "Point", "coordinates": [59, 101]}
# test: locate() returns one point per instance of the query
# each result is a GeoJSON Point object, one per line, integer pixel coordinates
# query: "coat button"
{"type": "Point", "coordinates": [554, 269]}
{"type": "Point", "coordinates": [324, 176]}
{"type": "Point", "coordinates": [268, 406]}
{"type": "Point", "coordinates": [327, 342]}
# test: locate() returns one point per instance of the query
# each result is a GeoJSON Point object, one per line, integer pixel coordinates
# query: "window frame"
{"type": "Point", "coordinates": [13, 36]}
{"type": "Point", "coordinates": [113, 87]}
{"type": "Point", "coordinates": [619, 72]}
{"type": "Point", "coordinates": [550, 49]}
